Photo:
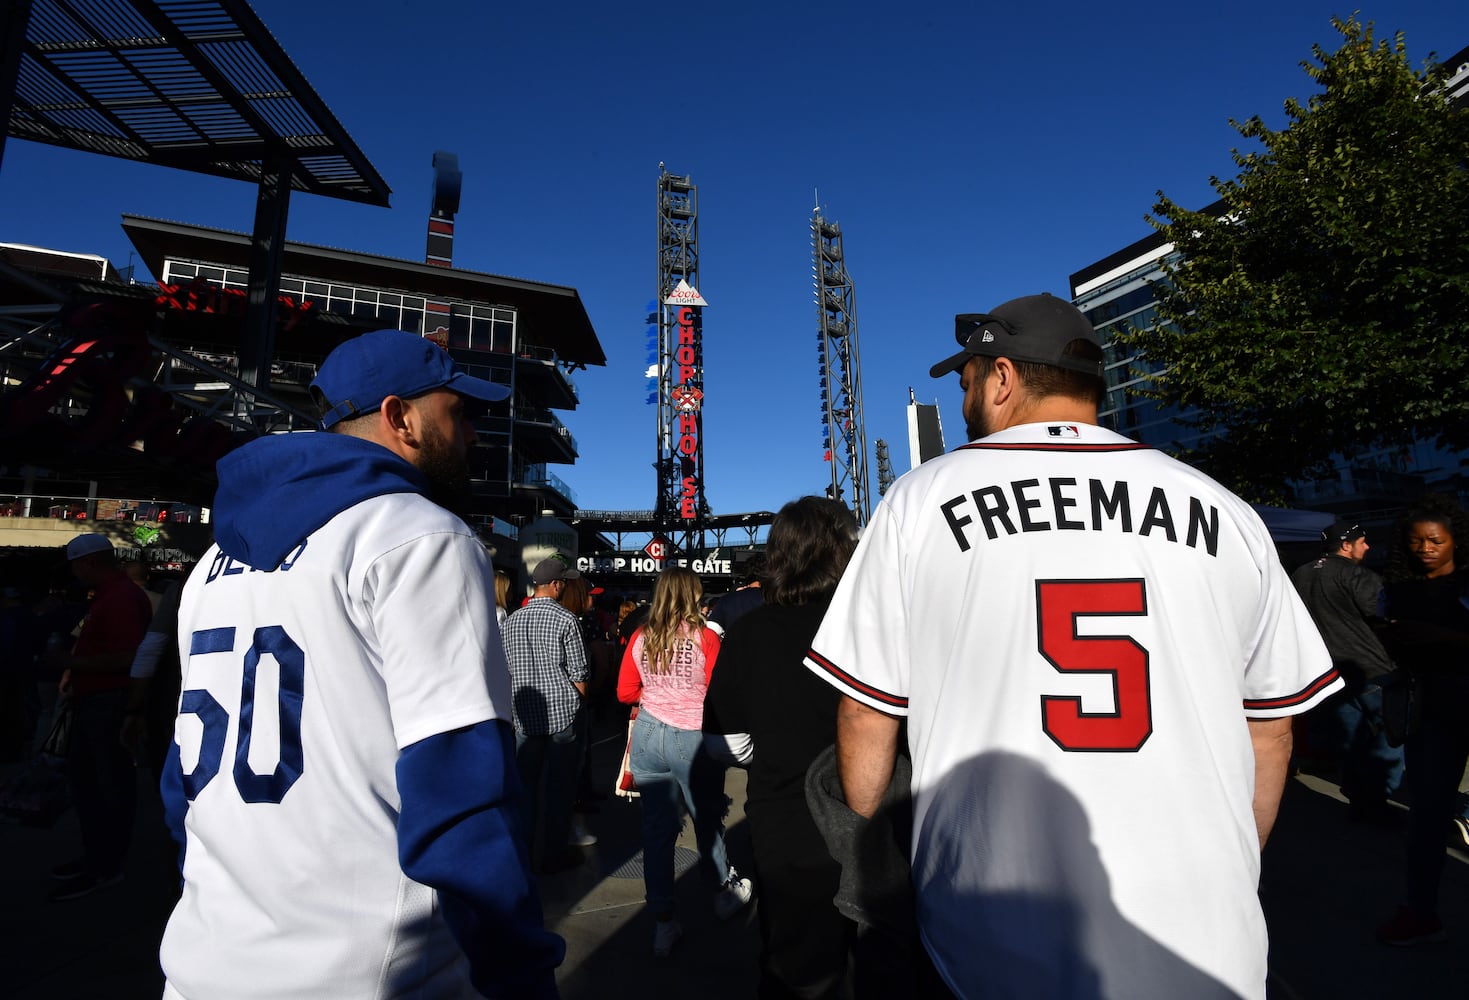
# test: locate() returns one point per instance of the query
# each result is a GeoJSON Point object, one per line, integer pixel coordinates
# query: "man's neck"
{"type": "Point", "coordinates": [1054, 410]}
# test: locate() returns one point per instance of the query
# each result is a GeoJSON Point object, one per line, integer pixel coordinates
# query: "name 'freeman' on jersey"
{"type": "Point", "coordinates": [1063, 504]}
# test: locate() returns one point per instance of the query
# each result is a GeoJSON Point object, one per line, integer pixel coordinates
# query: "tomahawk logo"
{"type": "Point", "coordinates": [1064, 431]}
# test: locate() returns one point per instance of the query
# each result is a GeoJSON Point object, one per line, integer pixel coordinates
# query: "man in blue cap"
{"type": "Point", "coordinates": [343, 775]}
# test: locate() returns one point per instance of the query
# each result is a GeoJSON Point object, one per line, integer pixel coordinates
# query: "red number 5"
{"type": "Point", "coordinates": [1059, 604]}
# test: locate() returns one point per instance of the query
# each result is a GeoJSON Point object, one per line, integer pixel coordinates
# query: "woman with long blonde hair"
{"type": "Point", "coordinates": [666, 668]}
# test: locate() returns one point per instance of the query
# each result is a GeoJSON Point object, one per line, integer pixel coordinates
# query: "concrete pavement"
{"type": "Point", "coordinates": [1327, 883]}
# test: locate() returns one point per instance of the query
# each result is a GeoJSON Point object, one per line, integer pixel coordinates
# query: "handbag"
{"type": "Point", "coordinates": [625, 786]}
{"type": "Point", "coordinates": [58, 739]}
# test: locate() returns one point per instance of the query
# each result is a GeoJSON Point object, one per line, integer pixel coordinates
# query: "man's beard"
{"type": "Point", "coordinates": [447, 473]}
{"type": "Point", "coordinates": [975, 424]}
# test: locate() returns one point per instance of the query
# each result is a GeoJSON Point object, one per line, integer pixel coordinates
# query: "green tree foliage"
{"type": "Point", "coordinates": [1325, 310]}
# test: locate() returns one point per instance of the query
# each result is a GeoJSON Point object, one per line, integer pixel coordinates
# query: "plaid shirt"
{"type": "Point", "coordinates": [544, 648]}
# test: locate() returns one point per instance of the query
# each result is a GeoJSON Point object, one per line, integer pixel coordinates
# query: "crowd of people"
{"type": "Point", "coordinates": [1023, 735]}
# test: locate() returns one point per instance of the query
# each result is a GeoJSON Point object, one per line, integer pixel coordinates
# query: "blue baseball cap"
{"type": "Point", "coordinates": [357, 376]}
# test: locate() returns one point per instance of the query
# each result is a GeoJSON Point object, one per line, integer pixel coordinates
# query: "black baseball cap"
{"type": "Point", "coordinates": [551, 569]}
{"type": "Point", "coordinates": [1034, 328]}
{"type": "Point", "coordinates": [1341, 532]}
{"type": "Point", "coordinates": [362, 372]}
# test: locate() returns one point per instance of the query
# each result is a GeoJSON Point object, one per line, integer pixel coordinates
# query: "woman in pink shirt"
{"type": "Point", "coordinates": [667, 667]}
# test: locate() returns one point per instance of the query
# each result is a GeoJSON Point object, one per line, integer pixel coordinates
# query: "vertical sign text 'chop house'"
{"type": "Point", "coordinates": [687, 395]}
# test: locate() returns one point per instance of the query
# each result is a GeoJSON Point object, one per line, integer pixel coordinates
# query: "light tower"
{"type": "Point", "coordinates": [844, 438]}
{"type": "Point", "coordinates": [680, 509]}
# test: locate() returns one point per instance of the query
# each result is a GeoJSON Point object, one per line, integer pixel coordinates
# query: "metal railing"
{"type": "Point", "coordinates": [105, 510]}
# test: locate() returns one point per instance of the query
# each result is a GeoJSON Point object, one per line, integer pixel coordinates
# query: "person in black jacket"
{"type": "Point", "coordinates": [766, 711]}
{"type": "Point", "coordinates": [1428, 606]}
{"type": "Point", "coordinates": [1344, 598]}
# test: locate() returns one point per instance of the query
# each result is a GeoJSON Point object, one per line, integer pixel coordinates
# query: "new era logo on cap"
{"type": "Point", "coordinates": [988, 338]}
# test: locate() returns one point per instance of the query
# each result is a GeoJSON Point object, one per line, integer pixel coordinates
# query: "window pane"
{"type": "Point", "coordinates": [458, 331]}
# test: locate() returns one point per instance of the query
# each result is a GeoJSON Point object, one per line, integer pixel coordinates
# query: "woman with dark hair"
{"type": "Point", "coordinates": [666, 669]}
{"type": "Point", "coordinates": [767, 711]}
{"type": "Point", "coordinates": [1427, 595]}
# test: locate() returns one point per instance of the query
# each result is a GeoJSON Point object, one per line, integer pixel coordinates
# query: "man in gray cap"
{"type": "Point", "coordinates": [1098, 655]}
{"type": "Point", "coordinates": [548, 671]}
{"type": "Point", "coordinates": [95, 677]}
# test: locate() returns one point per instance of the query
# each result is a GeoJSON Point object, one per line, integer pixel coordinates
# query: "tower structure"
{"type": "Point", "coordinates": [680, 509]}
{"type": "Point", "coordinates": [885, 477]}
{"type": "Point", "coordinates": [447, 181]}
{"type": "Point", "coordinates": [844, 439]}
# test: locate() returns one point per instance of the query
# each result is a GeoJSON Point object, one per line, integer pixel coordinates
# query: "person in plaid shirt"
{"type": "Point", "coordinates": [548, 676]}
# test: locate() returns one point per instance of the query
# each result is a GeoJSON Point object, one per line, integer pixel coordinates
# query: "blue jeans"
{"type": "Point", "coordinates": [672, 771]}
{"type": "Point", "coordinates": [547, 766]}
{"type": "Point", "coordinates": [1371, 770]}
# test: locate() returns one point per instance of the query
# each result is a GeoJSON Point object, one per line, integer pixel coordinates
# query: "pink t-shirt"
{"type": "Point", "coordinates": [675, 696]}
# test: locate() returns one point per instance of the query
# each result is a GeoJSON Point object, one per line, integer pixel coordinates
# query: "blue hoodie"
{"type": "Point", "coordinates": [459, 825]}
{"type": "Point", "coordinates": [275, 491]}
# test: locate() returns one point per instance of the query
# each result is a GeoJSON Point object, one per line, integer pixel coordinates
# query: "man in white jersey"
{"type": "Point", "coordinates": [1097, 653]}
{"type": "Point", "coordinates": [343, 773]}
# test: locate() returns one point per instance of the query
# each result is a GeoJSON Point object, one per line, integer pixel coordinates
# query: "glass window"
{"type": "Point", "coordinates": [316, 290]}
{"type": "Point", "coordinates": [479, 333]}
{"type": "Point", "coordinates": [412, 321]}
{"type": "Point", "coordinates": [502, 334]}
{"type": "Point", "coordinates": [340, 300]}
{"type": "Point", "coordinates": [458, 329]}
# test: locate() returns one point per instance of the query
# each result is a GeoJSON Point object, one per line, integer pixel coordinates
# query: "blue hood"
{"type": "Point", "coordinates": [275, 491]}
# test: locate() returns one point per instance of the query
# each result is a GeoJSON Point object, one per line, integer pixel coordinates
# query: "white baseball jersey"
{"type": "Point", "coordinates": [1077, 628]}
{"type": "Point", "coordinates": [300, 686]}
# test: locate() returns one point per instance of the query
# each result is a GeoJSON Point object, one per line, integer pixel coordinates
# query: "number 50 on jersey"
{"type": "Point", "coordinates": [213, 720]}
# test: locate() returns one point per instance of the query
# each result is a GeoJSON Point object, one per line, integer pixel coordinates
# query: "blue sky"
{"type": "Point", "coordinates": [971, 152]}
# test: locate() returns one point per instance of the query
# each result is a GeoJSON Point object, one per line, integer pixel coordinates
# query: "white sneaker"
{"type": "Point", "coordinates": [735, 893]}
{"type": "Point", "coordinates": [581, 836]}
{"type": "Point", "coordinates": [665, 934]}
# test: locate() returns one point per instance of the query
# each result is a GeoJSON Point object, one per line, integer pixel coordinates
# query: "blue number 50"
{"type": "Point", "coordinates": [271, 639]}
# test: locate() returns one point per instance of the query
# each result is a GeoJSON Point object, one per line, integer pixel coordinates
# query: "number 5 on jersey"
{"type": "Point", "coordinates": [273, 641]}
{"type": "Point", "coordinates": [1059, 605]}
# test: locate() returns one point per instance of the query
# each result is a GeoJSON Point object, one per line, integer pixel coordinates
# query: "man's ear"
{"type": "Point", "coordinates": [1007, 380]}
{"type": "Point", "coordinates": [399, 420]}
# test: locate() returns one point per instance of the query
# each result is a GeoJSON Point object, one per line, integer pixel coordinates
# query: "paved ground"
{"type": "Point", "coordinates": [1326, 884]}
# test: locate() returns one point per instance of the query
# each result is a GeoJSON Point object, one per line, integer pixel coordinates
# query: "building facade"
{"type": "Point", "coordinates": [530, 336]}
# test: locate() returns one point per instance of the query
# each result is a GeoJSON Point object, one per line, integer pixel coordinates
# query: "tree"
{"type": "Point", "coordinates": [1325, 310]}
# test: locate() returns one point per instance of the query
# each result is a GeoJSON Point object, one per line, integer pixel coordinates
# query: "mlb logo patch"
{"type": "Point", "coordinates": [1064, 431]}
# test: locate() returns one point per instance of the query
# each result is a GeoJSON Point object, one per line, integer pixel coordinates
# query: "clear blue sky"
{"type": "Point", "coordinates": [971, 152]}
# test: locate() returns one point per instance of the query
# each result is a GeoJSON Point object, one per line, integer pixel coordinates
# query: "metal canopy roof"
{"type": "Point", "coordinates": [200, 85]}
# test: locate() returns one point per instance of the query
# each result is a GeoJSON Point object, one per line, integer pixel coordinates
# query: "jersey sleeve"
{"type": "Point", "coordinates": [710, 641]}
{"type": "Point", "coordinates": [629, 678]}
{"type": "Point", "coordinates": [862, 648]}
{"type": "Point", "coordinates": [433, 609]}
{"type": "Point", "coordinates": [1289, 670]}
